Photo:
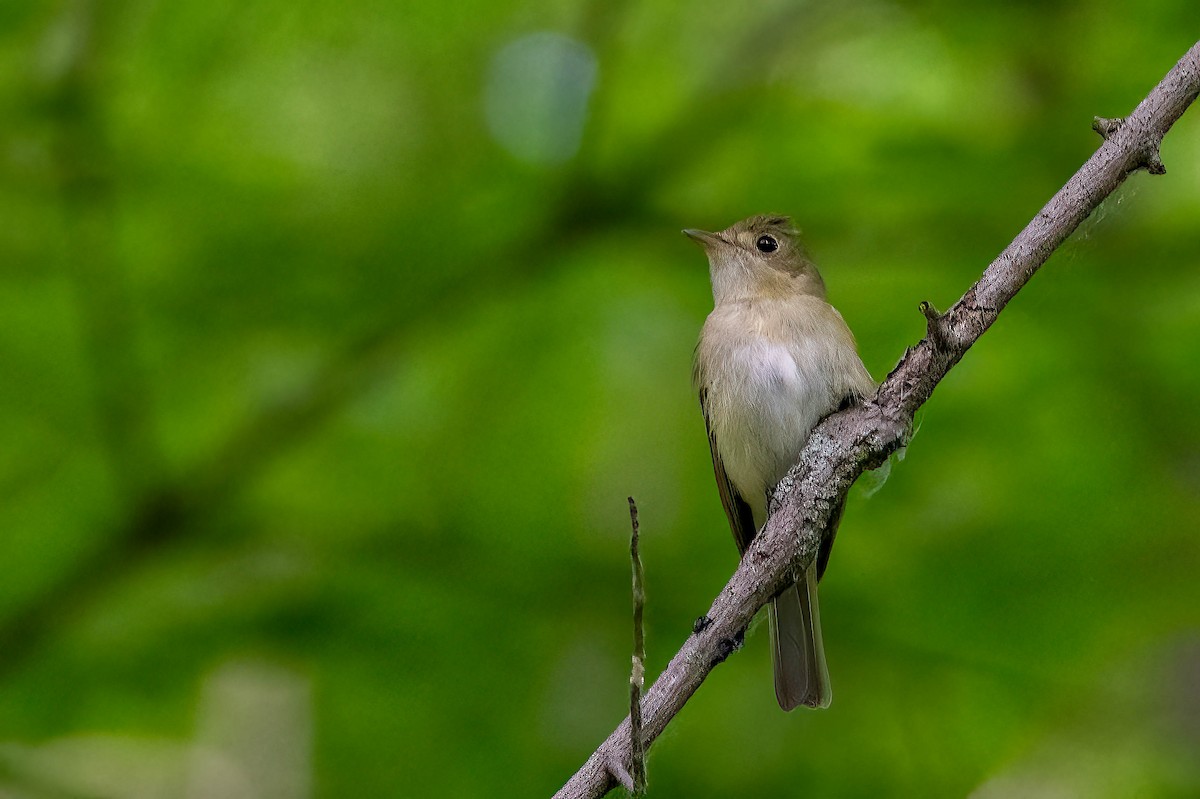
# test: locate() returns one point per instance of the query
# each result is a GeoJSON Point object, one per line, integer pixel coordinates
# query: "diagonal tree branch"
{"type": "Point", "coordinates": [847, 443]}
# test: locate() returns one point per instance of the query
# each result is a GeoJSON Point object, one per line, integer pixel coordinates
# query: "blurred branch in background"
{"type": "Point", "coordinates": [119, 389]}
{"type": "Point", "coordinates": [84, 173]}
{"type": "Point", "coordinates": [847, 443]}
{"type": "Point", "coordinates": [160, 509]}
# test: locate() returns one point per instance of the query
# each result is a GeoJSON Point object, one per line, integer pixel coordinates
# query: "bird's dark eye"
{"type": "Point", "coordinates": [766, 244]}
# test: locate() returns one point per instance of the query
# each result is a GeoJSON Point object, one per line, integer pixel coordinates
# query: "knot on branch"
{"type": "Point", "coordinates": [1107, 127]}
{"type": "Point", "coordinates": [935, 326]}
{"type": "Point", "coordinates": [1151, 160]}
{"type": "Point", "coordinates": [727, 646]}
{"type": "Point", "coordinates": [1148, 157]}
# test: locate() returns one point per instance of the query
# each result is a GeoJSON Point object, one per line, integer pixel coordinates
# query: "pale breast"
{"type": "Point", "coordinates": [766, 385]}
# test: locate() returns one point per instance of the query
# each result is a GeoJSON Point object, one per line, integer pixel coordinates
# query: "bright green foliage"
{"type": "Point", "coordinates": [333, 337]}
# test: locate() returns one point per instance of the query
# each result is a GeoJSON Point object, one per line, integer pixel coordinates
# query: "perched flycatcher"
{"type": "Point", "coordinates": [773, 359]}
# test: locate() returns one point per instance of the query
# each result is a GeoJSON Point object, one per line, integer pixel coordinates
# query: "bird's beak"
{"type": "Point", "coordinates": [703, 237]}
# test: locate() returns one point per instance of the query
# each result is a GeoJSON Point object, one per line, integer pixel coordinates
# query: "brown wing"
{"type": "Point", "coordinates": [741, 518]}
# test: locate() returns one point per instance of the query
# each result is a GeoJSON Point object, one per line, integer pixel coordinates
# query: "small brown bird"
{"type": "Point", "coordinates": [774, 358]}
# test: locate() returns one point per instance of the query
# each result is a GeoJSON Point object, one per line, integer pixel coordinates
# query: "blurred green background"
{"type": "Point", "coordinates": [333, 337]}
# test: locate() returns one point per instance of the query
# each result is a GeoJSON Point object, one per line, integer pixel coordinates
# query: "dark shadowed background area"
{"type": "Point", "coordinates": [333, 337]}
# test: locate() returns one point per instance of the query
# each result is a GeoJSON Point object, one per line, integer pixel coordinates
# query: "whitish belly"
{"type": "Point", "coordinates": [763, 411]}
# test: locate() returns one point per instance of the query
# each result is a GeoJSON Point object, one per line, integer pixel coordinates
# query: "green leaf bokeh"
{"type": "Point", "coordinates": [334, 336]}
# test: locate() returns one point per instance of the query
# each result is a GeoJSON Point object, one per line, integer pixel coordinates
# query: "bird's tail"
{"type": "Point", "coordinates": [801, 676]}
